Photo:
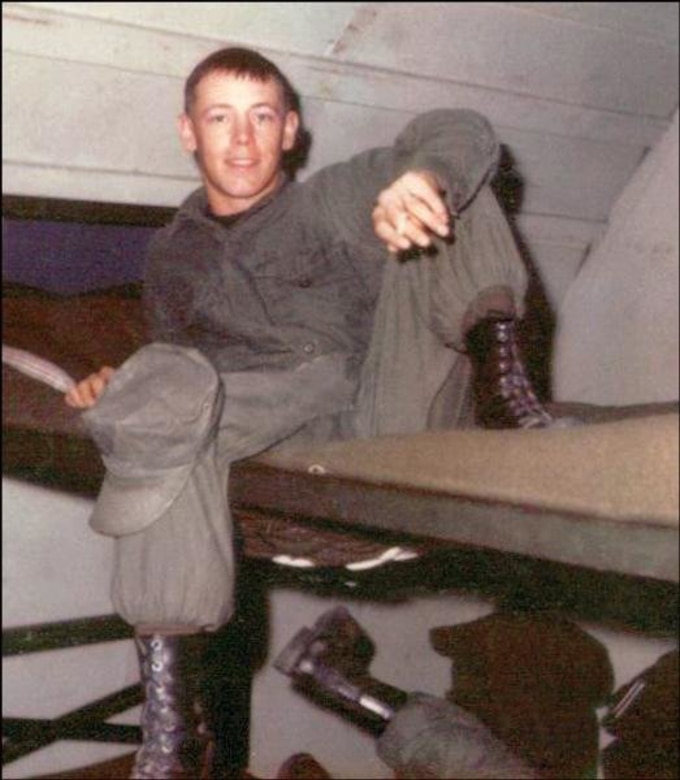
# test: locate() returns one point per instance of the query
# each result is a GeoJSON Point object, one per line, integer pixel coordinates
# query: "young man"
{"type": "Point", "coordinates": [278, 316]}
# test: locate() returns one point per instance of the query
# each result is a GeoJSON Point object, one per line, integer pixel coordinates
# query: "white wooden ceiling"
{"type": "Point", "coordinates": [578, 93]}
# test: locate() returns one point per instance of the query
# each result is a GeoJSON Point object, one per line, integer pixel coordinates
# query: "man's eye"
{"type": "Point", "coordinates": [263, 117]}
{"type": "Point", "coordinates": [214, 119]}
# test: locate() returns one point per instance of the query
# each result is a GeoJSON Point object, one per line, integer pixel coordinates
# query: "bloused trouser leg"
{"type": "Point", "coordinates": [419, 373]}
{"type": "Point", "coordinates": [179, 572]}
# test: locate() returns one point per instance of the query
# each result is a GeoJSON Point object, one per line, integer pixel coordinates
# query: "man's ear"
{"type": "Point", "coordinates": [290, 128]}
{"type": "Point", "coordinates": [185, 127]}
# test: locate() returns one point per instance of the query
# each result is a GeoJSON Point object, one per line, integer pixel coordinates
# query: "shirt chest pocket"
{"type": "Point", "coordinates": [321, 273]}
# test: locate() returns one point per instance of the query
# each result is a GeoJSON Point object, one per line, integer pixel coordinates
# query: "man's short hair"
{"type": "Point", "coordinates": [245, 63]}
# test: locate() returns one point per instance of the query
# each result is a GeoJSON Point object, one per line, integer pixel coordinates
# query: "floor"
{"type": "Point", "coordinates": [119, 769]}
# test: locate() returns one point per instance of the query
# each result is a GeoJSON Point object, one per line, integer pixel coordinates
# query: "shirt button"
{"type": "Point", "coordinates": [305, 282]}
{"type": "Point", "coordinates": [308, 348]}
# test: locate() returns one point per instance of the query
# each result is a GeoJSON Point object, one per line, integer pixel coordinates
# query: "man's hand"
{"type": "Point", "coordinates": [85, 393]}
{"type": "Point", "coordinates": [409, 211]}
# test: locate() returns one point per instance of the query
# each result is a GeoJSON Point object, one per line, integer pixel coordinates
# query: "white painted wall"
{"type": "Point", "coordinates": [618, 338]}
{"type": "Point", "coordinates": [55, 568]}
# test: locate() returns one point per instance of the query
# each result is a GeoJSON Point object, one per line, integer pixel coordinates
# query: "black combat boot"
{"type": "Point", "coordinates": [503, 395]}
{"type": "Point", "coordinates": [177, 741]}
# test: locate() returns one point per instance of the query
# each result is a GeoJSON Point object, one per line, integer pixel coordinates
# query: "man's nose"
{"type": "Point", "coordinates": [243, 130]}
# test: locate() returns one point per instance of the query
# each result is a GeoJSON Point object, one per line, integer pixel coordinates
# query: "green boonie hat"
{"type": "Point", "coordinates": [155, 419]}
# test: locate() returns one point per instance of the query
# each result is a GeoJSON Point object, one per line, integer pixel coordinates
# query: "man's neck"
{"type": "Point", "coordinates": [232, 218]}
{"type": "Point", "coordinates": [219, 208]}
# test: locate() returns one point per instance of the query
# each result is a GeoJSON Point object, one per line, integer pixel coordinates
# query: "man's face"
{"type": "Point", "coordinates": [238, 130]}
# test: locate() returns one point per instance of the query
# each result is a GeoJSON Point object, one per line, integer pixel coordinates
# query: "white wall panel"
{"type": "Point", "coordinates": [44, 32]}
{"type": "Point", "coordinates": [55, 568]}
{"type": "Point", "coordinates": [557, 248]}
{"type": "Point", "coordinates": [650, 20]}
{"type": "Point", "coordinates": [620, 328]}
{"type": "Point", "coordinates": [91, 117]}
{"type": "Point", "coordinates": [507, 48]}
{"type": "Point", "coordinates": [570, 177]}
{"type": "Point", "coordinates": [308, 28]}
{"type": "Point", "coordinates": [340, 130]}
{"type": "Point", "coordinates": [557, 266]}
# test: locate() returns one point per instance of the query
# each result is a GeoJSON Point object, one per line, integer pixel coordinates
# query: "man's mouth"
{"type": "Point", "coordinates": [242, 162]}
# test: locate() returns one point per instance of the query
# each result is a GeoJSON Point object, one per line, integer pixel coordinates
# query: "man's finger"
{"type": "Point", "coordinates": [421, 215]}
{"type": "Point", "coordinates": [424, 186]}
{"type": "Point", "coordinates": [387, 231]}
{"type": "Point", "coordinates": [415, 196]}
